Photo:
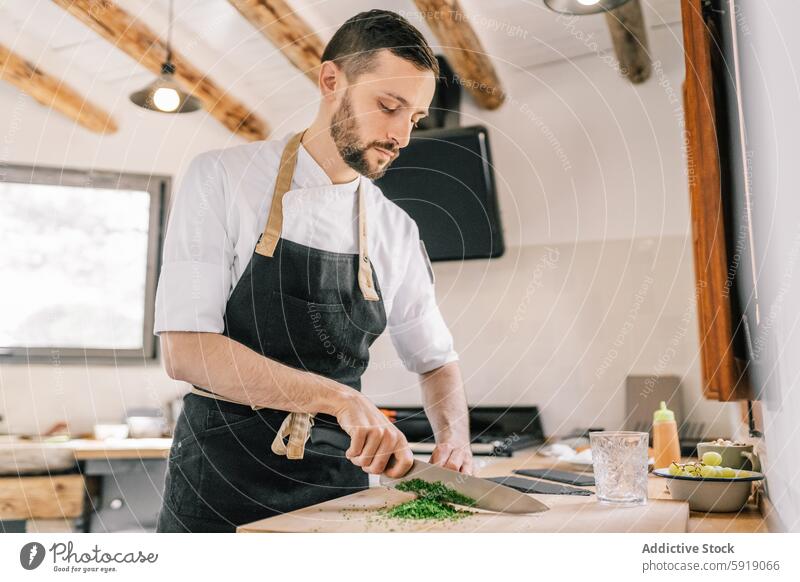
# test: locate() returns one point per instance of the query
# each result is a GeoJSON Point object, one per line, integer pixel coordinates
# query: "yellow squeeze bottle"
{"type": "Point", "coordinates": [666, 446]}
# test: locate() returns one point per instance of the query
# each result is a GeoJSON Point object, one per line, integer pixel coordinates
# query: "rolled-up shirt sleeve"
{"type": "Point", "coordinates": [416, 326]}
{"type": "Point", "coordinates": [195, 277]}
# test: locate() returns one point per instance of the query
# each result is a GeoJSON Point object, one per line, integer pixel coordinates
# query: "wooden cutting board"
{"type": "Point", "coordinates": [361, 512]}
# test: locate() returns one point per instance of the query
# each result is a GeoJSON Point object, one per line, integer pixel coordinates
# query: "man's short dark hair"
{"type": "Point", "coordinates": [356, 43]}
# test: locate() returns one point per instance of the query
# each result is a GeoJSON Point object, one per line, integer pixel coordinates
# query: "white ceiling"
{"type": "Point", "coordinates": [517, 34]}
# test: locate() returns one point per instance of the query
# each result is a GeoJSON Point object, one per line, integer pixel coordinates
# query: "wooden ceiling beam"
{"type": "Point", "coordinates": [285, 29]}
{"type": "Point", "coordinates": [629, 35]}
{"type": "Point", "coordinates": [140, 43]}
{"type": "Point", "coordinates": [52, 92]}
{"type": "Point", "coordinates": [292, 35]}
{"type": "Point", "coordinates": [463, 50]}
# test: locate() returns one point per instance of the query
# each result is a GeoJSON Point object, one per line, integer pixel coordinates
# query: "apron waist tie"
{"type": "Point", "coordinates": [296, 425]}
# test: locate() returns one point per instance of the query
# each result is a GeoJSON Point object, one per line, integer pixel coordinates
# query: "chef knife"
{"type": "Point", "coordinates": [487, 494]}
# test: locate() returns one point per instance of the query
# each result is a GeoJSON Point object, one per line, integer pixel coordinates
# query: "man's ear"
{"type": "Point", "coordinates": [330, 81]}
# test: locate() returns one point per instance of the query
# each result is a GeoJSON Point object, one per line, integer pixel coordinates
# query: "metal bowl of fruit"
{"type": "Point", "coordinates": [707, 486]}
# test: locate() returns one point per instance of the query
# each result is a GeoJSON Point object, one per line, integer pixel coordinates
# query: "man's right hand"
{"type": "Point", "coordinates": [376, 445]}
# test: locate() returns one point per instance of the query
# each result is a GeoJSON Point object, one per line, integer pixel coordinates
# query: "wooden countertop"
{"type": "Point", "coordinates": [89, 448]}
{"type": "Point", "coordinates": [748, 520]}
{"type": "Point", "coordinates": [351, 513]}
{"type": "Point", "coordinates": [144, 448]}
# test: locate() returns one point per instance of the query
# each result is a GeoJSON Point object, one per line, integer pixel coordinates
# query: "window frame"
{"type": "Point", "coordinates": [159, 187]}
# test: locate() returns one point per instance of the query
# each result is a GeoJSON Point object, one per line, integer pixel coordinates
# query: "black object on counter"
{"type": "Point", "coordinates": [504, 429]}
{"type": "Point", "coordinates": [559, 476]}
{"type": "Point", "coordinates": [537, 486]}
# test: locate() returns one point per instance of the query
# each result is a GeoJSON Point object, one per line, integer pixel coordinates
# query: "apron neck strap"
{"type": "Point", "coordinates": [365, 282]}
{"type": "Point", "coordinates": [272, 230]}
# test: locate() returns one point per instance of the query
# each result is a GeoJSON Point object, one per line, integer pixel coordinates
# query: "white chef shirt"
{"type": "Point", "coordinates": [220, 209]}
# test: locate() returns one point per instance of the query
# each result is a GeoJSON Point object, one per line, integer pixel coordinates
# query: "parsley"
{"type": "Point", "coordinates": [433, 501]}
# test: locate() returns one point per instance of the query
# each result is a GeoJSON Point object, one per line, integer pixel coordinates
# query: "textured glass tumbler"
{"type": "Point", "coordinates": [620, 466]}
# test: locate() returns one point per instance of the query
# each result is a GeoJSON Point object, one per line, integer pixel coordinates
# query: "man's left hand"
{"type": "Point", "coordinates": [452, 456]}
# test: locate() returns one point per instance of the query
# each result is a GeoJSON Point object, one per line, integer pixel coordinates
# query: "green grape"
{"type": "Point", "coordinates": [707, 471]}
{"type": "Point", "coordinates": [728, 473]}
{"type": "Point", "coordinates": [675, 469]}
{"type": "Point", "coordinates": [712, 458]}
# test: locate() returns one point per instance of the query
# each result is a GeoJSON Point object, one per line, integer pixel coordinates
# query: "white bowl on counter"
{"type": "Point", "coordinates": [104, 432]}
{"type": "Point", "coordinates": [142, 427]}
{"type": "Point", "coordinates": [711, 494]}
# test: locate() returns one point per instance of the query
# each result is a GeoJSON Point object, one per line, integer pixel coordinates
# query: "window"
{"type": "Point", "coordinates": [79, 253]}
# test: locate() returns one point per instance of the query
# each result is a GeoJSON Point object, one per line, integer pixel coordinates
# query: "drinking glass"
{"type": "Point", "coordinates": [620, 466]}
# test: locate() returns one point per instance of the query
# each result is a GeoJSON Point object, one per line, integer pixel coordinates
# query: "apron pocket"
{"type": "Point", "coordinates": [298, 329]}
{"type": "Point", "coordinates": [184, 467]}
{"type": "Point", "coordinates": [309, 306]}
{"type": "Point", "coordinates": [221, 421]}
{"type": "Point", "coordinates": [186, 464]}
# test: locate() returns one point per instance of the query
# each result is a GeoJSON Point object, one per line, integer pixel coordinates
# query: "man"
{"type": "Point", "coordinates": [282, 264]}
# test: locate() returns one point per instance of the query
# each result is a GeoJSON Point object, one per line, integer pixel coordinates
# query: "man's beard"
{"type": "Point", "coordinates": [344, 132]}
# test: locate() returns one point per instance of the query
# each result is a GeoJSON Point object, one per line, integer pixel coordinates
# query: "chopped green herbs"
{"type": "Point", "coordinates": [423, 508]}
{"type": "Point", "coordinates": [435, 491]}
{"type": "Point", "coordinates": [433, 501]}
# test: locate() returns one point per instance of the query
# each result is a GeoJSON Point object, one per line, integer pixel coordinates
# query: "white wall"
{"type": "Point", "coordinates": [769, 50]}
{"type": "Point", "coordinates": [590, 170]}
{"type": "Point", "coordinates": [562, 325]}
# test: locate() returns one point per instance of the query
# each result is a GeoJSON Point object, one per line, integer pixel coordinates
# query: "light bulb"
{"type": "Point", "coordinates": [166, 99]}
{"type": "Point", "coordinates": [588, 2]}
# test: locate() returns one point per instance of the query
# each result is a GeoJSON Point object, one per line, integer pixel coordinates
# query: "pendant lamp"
{"type": "Point", "coordinates": [583, 7]}
{"type": "Point", "coordinates": [165, 94]}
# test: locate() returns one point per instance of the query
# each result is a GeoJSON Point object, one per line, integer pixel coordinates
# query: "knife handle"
{"type": "Point", "coordinates": [337, 438]}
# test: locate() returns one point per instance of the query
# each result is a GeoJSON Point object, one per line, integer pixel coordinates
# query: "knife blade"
{"type": "Point", "coordinates": [487, 494]}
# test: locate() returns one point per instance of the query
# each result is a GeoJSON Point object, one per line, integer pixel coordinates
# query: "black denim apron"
{"type": "Point", "coordinates": [311, 309]}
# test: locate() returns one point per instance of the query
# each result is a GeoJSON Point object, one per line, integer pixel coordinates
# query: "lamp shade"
{"type": "Point", "coordinates": [583, 7]}
{"type": "Point", "coordinates": [165, 95]}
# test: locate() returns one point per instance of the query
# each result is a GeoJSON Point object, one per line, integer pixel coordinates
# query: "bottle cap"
{"type": "Point", "coordinates": [663, 413]}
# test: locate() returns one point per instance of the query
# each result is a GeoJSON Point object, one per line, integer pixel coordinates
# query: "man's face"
{"type": "Point", "coordinates": [377, 112]}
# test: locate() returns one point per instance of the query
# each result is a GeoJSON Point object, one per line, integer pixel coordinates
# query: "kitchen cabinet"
{"type": "Point", "coordinates": [40, 497]}
{"type": "Point", "coordinates": [128, 494]}
{"type": "Point", "coordinates": [116, 486]}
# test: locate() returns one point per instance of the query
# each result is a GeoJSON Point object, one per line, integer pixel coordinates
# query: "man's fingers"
{"type": "Point", "coordinates": [400, 464]}
{"type": "Point", "coordinates": [440, 454]}
{"type": "Point", "coordinates": [357, 439]}
{"type": "Point", "coordinates": [382, 456]}
{"type": "Point", "coordinates": [374, 439]}
{"type": "Point", "coordinates": [466, 465]}
{"type": "Point", "coordinates": [455, 460]}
